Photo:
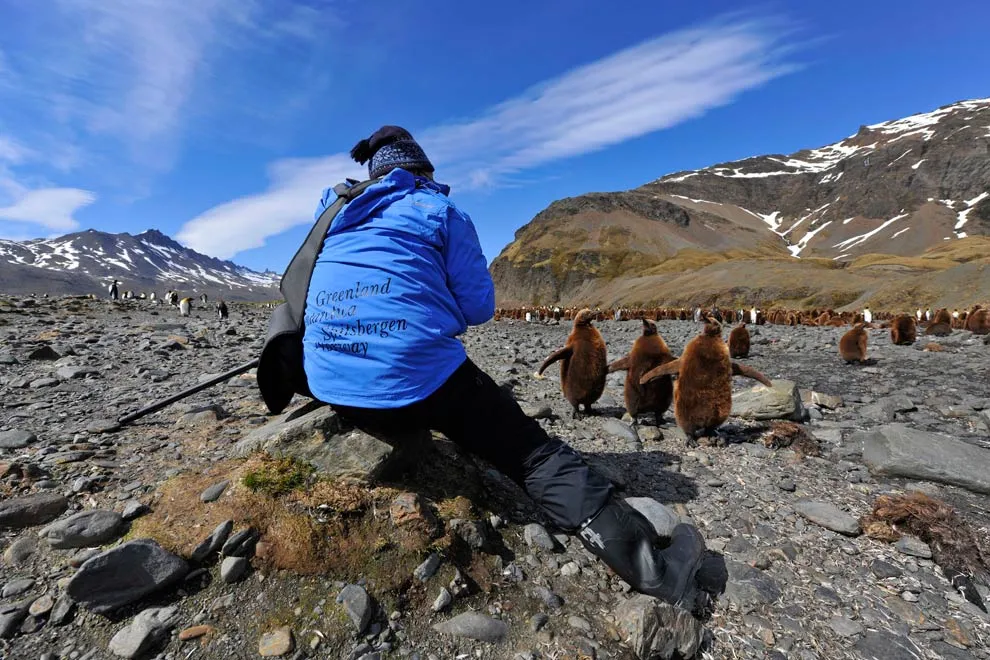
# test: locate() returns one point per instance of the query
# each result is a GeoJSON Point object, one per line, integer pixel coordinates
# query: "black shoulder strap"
{"type": "Point", "coordinates": [295, 281]}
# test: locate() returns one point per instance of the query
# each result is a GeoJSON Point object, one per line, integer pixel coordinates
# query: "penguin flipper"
{"type": "Point", "coordinates": [671, 368]}
{"type": "Point", "coordinates": [749, 372]}
{"type": "Point", "coordinates": [619, 365]}
{"type": "Point", "coordinates": [561, 354]}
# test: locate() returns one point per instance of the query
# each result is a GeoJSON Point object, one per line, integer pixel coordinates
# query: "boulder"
{"type": "Point", "coordinates": [320, 424]}
{"type": "Point", "coordinates": [124, 575]}
{"type": "Point", "coordinates": [86, 529]}
{"type": "Point", "coordinates": [782, 401]}
{"type": "Point", "coordinates": [896, 450]}
{"type": "Point", "coordinates": [655, 630]}
{"type": "Point", "coordinates": [31, 510]}
{"type": "Point", "coordinates": [147, 630]}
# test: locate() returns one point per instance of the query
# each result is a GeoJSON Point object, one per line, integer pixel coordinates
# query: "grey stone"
{"type": "Point", "coordinates": [428, 568]}
{"type": "Point", "coordinates": [536, 534]}
{"type": "Point", "coordinates": [31, 510]}
{"type": "Point", "coordinates": [213, 542]}
{"type": "Point", "coordinates": [474, 625]}
{"type": "Point", "coordinates": [20, 551]}
{"type": "Point", "coordinates": [472, 532]}
{"type": "Point", "coordinates": [749, 586]}
{"type": "Point", "coordinates": [845, 627]}
{"type": "Point", "coordinates": [900, 451]}
{"type": "Point", "coordinates": [134, 509]}
{"type": "Point", "coordinates": [884, 645]}
{"type": "Point", "coordinates": [71, 373]}
{"type": "Point", "coordinates": [63, 611]}
{"type": "Point", "coordinates": [233, 569]}
{"type": "Point", "coordinates": [214, 492]}
{"type": "Point", "coordinates": [443, 600]}
{"type": "Point", "coordinates": [12, 616]}
{"type": "Point", "coordinates": [358, 605]}
{"type": "Point", "coordinates": [125, 574]}
{"type": "Point", "coordinates": [45, 352]}
{"type": "Point", "coordinates": [663, 518]}
{"type": "Point", "coordinates": [619, 429]}
{"type": "Point", "coordinates": [828, 401]}
{"type": "Point", "coordinates": [654, 629]}
{"type": "Point", "coordinates": [913, 546]}
{"type": "Point", "coordinates": [241, 544]}
{"type": "Point", "coordinates": [828, 516]}
{"type": "Point", "coordinates": [86, 529]}
{"type": "Point", "coordinates": [320, 424]}
{"type": "Point", "coordinates": [148, 629]}
{"type": "Point", "coordinates": [42, 606]}
{"type": "Point", "coordinates": [42, 382]}
{"type": "Point", "coordinates": [16, 587]}
{"type": "Point", "coordinates": [782, 401]}
{"type": "Point", "coordinates": [884, 569]}
{"type": "Point", "coordinates": [548, 597]}
{"type": "Point", "coordinates": [16, 439]}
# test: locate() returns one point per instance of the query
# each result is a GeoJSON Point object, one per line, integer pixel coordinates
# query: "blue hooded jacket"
{"type": "Point", "coordinates": [401, 274]}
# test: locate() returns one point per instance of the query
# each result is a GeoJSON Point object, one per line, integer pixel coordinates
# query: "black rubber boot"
{"type": "Point", "coordinates": [626, 541]}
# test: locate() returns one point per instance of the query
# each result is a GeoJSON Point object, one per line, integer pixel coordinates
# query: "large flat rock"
{"type": "Point", "coordinates": [317, 425]}
{"type": "Point", "coordinates": [897, 450]}
{"type": "Point", "coordinates": [31, 510]}
{"type": "Point", "coordinates": [782, 401]}
{"type": "Point", "coordinates": [125, 574]}
{"type": "Point", "coordinates": [654, 630]}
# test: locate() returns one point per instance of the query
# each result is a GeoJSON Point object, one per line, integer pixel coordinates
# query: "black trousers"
{"type": "Point", "coordinates": [473, 411]}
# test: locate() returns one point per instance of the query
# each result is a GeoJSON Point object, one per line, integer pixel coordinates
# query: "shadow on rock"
{"type": "Point", "coordinates": [641, 474]}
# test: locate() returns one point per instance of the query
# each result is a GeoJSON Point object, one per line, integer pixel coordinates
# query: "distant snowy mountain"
{"type": "Point", "coordinates": [897, 187]}
{"type": "Point", "coordinates": [86, 262]}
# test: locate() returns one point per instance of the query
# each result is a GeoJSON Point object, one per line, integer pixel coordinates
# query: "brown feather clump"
{"type": "Point", "coordinates": [954, 546]}
{"type": "Point", "coordinates": [794, 436]}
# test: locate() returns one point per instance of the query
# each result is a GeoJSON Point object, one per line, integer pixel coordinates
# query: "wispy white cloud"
{"type": "Point", "coordinates": [290, 200]}
{"type": "Point", "coordinates": [118, 85]}
{"type": "Point", "coordinates": [52, 208]}
{"type": "Point", "coordinates": [648, 87]}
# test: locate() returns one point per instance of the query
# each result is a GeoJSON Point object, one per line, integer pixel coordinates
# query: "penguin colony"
{"type": "Point", "coordinates": [702, 397]}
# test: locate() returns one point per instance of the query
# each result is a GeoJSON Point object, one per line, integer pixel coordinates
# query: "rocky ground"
{"type": "Point", "coordinates": [212, 530]}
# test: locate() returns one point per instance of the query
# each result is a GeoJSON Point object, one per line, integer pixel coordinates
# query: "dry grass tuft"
{"type": "Point", "coordinates": [794, 436]}
{"type": "Point", "coordinates": [321, 527]}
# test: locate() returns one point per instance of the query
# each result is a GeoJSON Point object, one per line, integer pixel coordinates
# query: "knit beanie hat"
{"type": "Point", "coordinates": [390, 147]}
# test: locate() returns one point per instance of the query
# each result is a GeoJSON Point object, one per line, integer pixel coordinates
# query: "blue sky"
{"type": "Point", "coordinates": [220, 121]}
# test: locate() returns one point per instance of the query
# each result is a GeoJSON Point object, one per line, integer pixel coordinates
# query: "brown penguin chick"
{"type": "Point", "coordinates": [648, 351]}
{"type": "Point", "coordinates": [942, 316]}
{"type": "Point", "coordinates": [739, 341]}
{"type": "Point", "coordinates": [903, 330]}
{"type": "Point", "coordinates": [852, 346]}
{"type": "Point", "coordinates": [584, 363]}
{"type": "Point", "coordinates": [978, 321]}
{"type": "Point", "coordinates": [703, 392]}
{"type": "Point", "coordinates": [940, 329]}
{"type": "Point", "coordinates": [954, 545]}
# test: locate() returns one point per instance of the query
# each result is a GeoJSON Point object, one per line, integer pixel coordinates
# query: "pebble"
{"type": "Point", "coordinates": [20, 551]}
{"type": "Point", "coordinates": [443, 600]}
{"type": "Point", "coordinates": [42, 606]}
{"type": "Point", "coordinates": [276, 643]}
{"type": "Point", "coordinates": [828, 516]}
{"type": "Point", "coordinates": [357, 603]}
{"type": "Point", "coordinates": [233, 569]}
{"type": "Point", "coordinates": [214, 492]}
{"type": "Point", "coordinates": [474, 625]}
{"type": "Point", "coordinates": [195, 632]}
{"type": "Point", "coordinates": [845, 627]}
{"type": "Point", "coordinates": [537, 535]}
{"type": "Point", "coordinates": [915, 547]}
{"type": "Point", "coordinates": [16, 587]}
{"type": "Point", "coordinates": [428, 568]}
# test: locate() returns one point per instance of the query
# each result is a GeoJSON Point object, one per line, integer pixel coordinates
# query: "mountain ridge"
{"type": "Point", "coordinates": [87, 261]}
{"type": "Point", "coordinates": [903, 187]}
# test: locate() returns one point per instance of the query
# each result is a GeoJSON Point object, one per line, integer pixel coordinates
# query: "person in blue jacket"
{"type": "Point", "coordinates": [400, 276]}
